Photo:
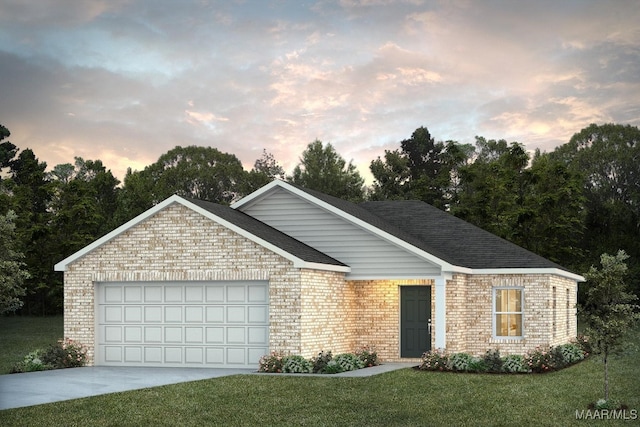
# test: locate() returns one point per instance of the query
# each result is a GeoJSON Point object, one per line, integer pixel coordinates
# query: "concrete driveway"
{"type": "Point", "coordinates": [36, 388]}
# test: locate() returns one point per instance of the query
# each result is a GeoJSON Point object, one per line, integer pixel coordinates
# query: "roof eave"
{"type": "Point", "coordinates": [524, 270]}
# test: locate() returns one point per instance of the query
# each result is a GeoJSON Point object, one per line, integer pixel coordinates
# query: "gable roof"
{"type": "Point", "coordinates": [302, 255]}
{"type": "Point", "coordinates": [458, 246]}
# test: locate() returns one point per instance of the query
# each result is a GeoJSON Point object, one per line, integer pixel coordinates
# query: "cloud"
{"type": "Point", "coordinates": [124, 82]}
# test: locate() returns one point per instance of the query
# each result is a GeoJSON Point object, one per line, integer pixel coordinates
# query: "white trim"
{"type": "Point", "coordinates": [440, 315]}
{"type": "Point", "coordinates": [297, 262]}
{"type": "Point", "coordinates": [497, 337]}
{"type": "Point", "coordinates": [553, 271]}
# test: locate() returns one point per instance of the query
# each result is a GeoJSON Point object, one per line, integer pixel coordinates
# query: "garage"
{"type": "Point", "coordinates": [189, 324]}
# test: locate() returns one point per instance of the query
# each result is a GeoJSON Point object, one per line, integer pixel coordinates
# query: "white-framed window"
{"type": "Point", "coordinates": [508, 315]}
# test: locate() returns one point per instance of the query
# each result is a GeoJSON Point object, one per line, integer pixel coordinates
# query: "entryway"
{"type": "Point", "coordinates": [415, 320]}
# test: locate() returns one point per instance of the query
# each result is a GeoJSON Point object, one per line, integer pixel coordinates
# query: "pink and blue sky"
{"type": "Point", "coordinates": [124, 81]}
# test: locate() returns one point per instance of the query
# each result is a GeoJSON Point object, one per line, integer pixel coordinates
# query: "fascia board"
{"type": "Point", "coordinates": [553, 271]}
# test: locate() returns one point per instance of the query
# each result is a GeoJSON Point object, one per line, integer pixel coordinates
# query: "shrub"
{"type": "Point", "coordinates": [320, 361]}
{"type": "Point", "coordinates": [32, 362]}
{"type": "Point", "coordinates": [514, 363]}
{"type": "Point", "coordinates": [459, 362]}
{"type": "Point", "coordinates": [65, 354]}
{"type": "Point", "coordinates": [583, 342]}
{"type": "Point", "coordinates": [271, 362]}
{"type": "Point", "coordinates": [540, 359]}
{"type": "Point", "coordinates": [368, 356]}
{"type": "Point", "coordinates": [477, 365]}
{"type": "Point", "coordinates": [332, 368]}
{"type": "Point", "coordinates": [434, 360]}
{"type": "Point", "coordinates": [493, 361]}
{"type": "Point", "coordinates": [348, 362]}
{"type": "Point", "coordinates": [571, 353]}
{"type": "Point", "coordinates": [297, 365]}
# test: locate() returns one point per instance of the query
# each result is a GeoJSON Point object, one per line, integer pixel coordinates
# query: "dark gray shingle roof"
{"type": "Point", "coordinates": [439, 233]}
{"type": "Point", "coordinates": [267, 233]}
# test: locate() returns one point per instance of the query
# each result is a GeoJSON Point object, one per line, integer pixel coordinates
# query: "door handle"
{"type": "Point", "coordinates": [429, 326]}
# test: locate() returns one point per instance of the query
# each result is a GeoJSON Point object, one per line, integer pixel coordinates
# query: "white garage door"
{"type": "Point", "coordinates": [198, 324]}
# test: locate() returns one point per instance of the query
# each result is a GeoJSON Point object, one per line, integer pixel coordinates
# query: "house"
{"type": "Point", "coordinates": [193, 283]}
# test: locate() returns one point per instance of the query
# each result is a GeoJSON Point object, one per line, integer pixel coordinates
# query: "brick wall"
{"type": "Point", "coordinates": [178, 244]}
{"type": "Point", "coordinates": [377, 304]}
{"type": "Point", "coordinates": [470, 315]}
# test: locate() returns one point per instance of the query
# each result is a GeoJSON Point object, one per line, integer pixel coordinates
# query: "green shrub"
{"type": "Point", "coordinates": [571, 353]}
{"type": "Point", "coordinates": [434, 360]}
{"type": "Point", "coordinates": [477, 365]}
{"type": "Point", "coordinates": [348, 362]}
{"type": "Point", "coordinates": [459, 362]}
{"type": "Point", "coordinates": [514, 363]}
{"type": "Point", "coordinates": [368, 356]}
{"type": "Point", "coordinates": [32, 362]}
{"type": "Point", "coordinates": [332, 368]}
{"type": "Point", "coordinates": [320, 361]}
{"type": "Point", "coordinates": [65, 354]}
{"type": "Point", "coordinates": [271, 362]}
{"type": "Point", "coordinates": [493, 361]}
{"type": "Point", "coordinates": [297, 365]}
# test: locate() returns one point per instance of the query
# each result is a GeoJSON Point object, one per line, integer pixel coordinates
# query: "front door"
{"type": "Point", "coordinates": [415, 320]}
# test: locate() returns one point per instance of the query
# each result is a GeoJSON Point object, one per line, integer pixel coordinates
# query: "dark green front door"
{"type": "Point", "coordinates": [415, 320]}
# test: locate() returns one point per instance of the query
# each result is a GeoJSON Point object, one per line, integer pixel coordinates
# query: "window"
{"type": "Point", "coordinates": [569, 314]}
{"type": "Point", "coordinates": [507, 312]}
{"type": "Point", "coordinates": [555, 311]}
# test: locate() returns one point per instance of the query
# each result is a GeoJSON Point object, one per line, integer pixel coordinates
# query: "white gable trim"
{"type": "Point", "coordinates": [297, 262]}
{"type": "Point", "coordinates": [264, 191]}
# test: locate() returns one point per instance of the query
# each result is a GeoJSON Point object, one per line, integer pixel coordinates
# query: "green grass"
{"type": "Point", "coordinates": [401, 398]}
{"type": "Point", "coordinates": [22, 335]}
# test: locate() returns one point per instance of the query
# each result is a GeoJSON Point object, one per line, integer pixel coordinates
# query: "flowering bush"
{"type": "Point", "coordinates": [65, 353]}
{"type": "Point", "coordinates": [540, 360]}
{"type": "Point", "coordinates": [434, 360]}
{"type": "Point", "coordinates": [368, 355]}
{"type": "Point", "coordinates": [272, 362]}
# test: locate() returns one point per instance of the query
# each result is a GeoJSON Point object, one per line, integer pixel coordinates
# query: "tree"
{"type": "Point", "coordinates": [265, 170]}
{"type": "Point", "coordinates": [550, 220]}
{"type": "Point", "coordinates": [609, 310]}
{"type": "Point", "coordinates": [606, 157]}
{"type": "Point", "coordinates": [197, 172]}
{"type": "Point", "coordinates": [30, 198]}
{"type": "Point", "coordinates": [491, 190]}
{"type": "Point", "coordinates": [323, 169]}
{"type": "Point", "coordinates": [12, 272]}
{"type": "Point", "coordinates": [421, 170]}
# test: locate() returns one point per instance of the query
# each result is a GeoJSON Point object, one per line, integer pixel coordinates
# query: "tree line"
{"type": "Point", "coordinates": [569, 205]}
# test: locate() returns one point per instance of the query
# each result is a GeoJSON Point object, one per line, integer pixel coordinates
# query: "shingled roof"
{"type": "Point", "coordinates": [439, 233]}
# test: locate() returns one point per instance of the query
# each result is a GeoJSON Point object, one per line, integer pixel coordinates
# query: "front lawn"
{"type": "Point", "coordinates": [401, 398]}
{"type": "Point", "coordinates": [21, 335]}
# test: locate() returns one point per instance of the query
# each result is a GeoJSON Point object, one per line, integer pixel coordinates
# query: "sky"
{"type": "Point", "coordinates": [125, 81]}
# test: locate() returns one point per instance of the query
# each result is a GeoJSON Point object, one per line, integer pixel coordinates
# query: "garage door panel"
{"type": "Point", "coordinates": [193, 314]}
{"type": "Point", "coordinates": [182, 324]}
